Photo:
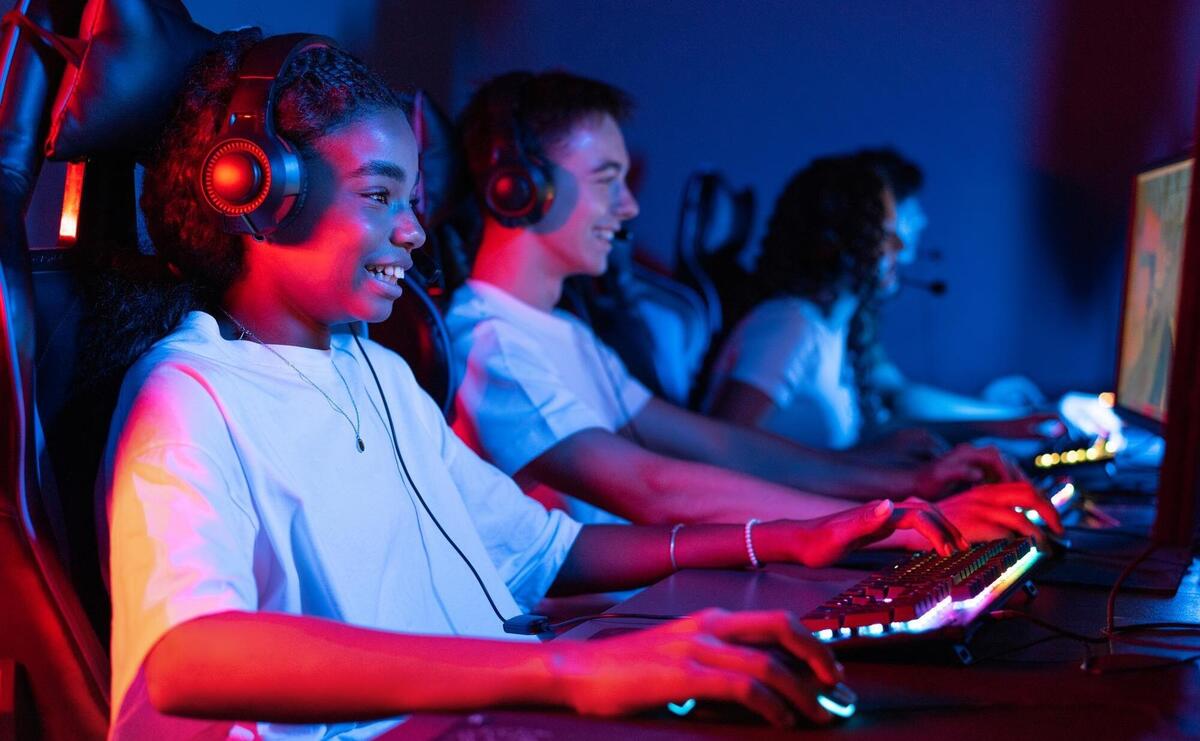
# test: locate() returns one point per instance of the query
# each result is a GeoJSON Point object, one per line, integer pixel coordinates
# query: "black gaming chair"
{"type": "Point", "coordinates": [715, 220]}
{"type": "Point", "coordinates": [46, 637]}
{"type": "Point", "coordinates": [118, 83]}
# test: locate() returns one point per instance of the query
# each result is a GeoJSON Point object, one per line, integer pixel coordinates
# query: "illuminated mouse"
{"type": "Point", "coordinates": [839, 700]}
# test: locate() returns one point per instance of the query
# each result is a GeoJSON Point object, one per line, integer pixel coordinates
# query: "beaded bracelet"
{"type": "Point", "coordinates": [750, 543]}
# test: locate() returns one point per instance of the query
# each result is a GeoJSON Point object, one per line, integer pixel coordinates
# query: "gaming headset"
{"type": "Point", "coordinates": [517, 186]}
{"type": "Point", "coordinates": [252, 176]}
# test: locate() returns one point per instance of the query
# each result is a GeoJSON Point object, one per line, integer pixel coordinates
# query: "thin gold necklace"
{"type": "Point", "coordinates": [356, 423]}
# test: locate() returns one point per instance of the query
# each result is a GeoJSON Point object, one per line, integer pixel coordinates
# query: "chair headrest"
{"type": "Point", "coordinates": [122, 76]}
{"type": "Point", "coordinates": [442, 177]}
{"type": "Point", "coordinates": [725, 214]}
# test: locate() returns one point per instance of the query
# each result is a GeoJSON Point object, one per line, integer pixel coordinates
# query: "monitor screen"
{"type": "Point", "coordinates": [1152, 284]}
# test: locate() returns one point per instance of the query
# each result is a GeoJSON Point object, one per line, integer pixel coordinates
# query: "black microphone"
{"type": "Point", "coordinates": [935, 287]}
{"type": "Point", "coordinates": [429, 269]}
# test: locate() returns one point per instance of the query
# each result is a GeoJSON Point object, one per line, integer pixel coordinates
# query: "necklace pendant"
{"type": "Point", "coordinates": [361, 447]}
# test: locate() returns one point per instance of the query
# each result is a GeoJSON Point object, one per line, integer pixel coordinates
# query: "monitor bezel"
{"type": "Point", "coordinates": [1177, 520]}
{"type": "Point", "coordinates": [1127, 413]}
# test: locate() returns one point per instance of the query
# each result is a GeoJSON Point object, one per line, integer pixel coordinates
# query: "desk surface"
{"type": "Point", "coordinates": [1023, 684]}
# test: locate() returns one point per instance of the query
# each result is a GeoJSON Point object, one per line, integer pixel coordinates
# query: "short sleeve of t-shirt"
{"type": "Point", "coordinates": [182, 528]}
{"type": "Point", "coordinates": [526, 543]}
{"type": "Point", "coordinates": [776, 351]}
{"type": "Point", "coordinates": [513, 405]}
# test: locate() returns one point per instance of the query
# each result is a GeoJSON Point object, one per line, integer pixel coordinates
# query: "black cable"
{"type": "Point", "coordinates": [608, 616]}
{"type": "Point", "coordinates": [1110, 608]}
{"type": "Point", "coordinates": [413, 484]}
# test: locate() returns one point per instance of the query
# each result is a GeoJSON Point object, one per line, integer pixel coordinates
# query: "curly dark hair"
{"type": "Point", "coordinates": [196, 261]}
{"type": "Point", "coordinates": [902, 176]}
{"type": "Point", "coordinates": [539, 109]}
{"type": "Point", "coordinates": [826, 236]}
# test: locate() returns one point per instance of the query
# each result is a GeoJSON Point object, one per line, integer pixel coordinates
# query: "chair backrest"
{"type": "Point", "coordinates": [43, 626]}
{"type": "Point", "coordinates": [715, 221]}
{"type": "Point", "coordinates": [657, 325]}
{"type": "Point", "coordinates": [676, 316]}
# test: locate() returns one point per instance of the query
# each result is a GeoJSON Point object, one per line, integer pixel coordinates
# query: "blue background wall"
{"type": "Point", "coordinates": [1028, 117]}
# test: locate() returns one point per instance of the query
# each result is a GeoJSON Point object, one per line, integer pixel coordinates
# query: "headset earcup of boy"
{"type": "Point", "coordinates": [251, 176]}
{"type": "Point", "coordinates": [517, 185]}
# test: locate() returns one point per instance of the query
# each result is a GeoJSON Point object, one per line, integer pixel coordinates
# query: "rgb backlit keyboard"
{"type": "Point", "coordinates": [924, 593]}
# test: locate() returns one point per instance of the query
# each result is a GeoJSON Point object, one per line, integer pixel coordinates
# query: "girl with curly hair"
{"type": "Point", "coordinates": [807, 362]}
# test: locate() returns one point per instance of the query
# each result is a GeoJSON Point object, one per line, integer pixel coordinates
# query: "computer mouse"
{"type": "Point", "coordinates": [839, 700]}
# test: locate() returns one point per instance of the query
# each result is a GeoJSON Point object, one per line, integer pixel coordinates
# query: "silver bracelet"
{"type": "Point", "coordinates": [750, 543]}
{"type": "Point", "coordinates": [674, 531]}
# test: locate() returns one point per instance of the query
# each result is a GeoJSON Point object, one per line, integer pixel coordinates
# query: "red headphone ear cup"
{"type": "Point", "coordinates": [236, 177]}
{"type": "Point", "coordinates": [511, 193]}
{"type": "Point", "coordinates": [518, 196]}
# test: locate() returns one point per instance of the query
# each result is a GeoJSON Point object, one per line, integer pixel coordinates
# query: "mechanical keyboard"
{"type": "Point", "coordinates": [925, 595]}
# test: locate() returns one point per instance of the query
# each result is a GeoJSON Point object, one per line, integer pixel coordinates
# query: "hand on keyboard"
{"type": "Point", "coordinates": [965, 465]}
{"type": "Point", "coordinates": [987, 512]}
{"type": "Point", "coordinates": [823, 540]}
{"type": "Point", "coordinates": [743, 657]}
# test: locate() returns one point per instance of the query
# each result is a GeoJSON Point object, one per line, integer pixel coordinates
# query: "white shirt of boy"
{"type": "Point", "coordinates": [529, 379]}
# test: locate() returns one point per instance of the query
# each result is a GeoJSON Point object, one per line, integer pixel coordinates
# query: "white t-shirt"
{"type": "Point", "coordinates": [789, 350]}
{"type": "Point", "coordinates": [234, 485]}
{"type": "Point", "coordinates": [530, 379]}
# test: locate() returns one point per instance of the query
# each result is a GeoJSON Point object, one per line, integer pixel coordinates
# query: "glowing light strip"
{"type": "Point", "coordinates": [1059, 500]}
{"type": "Point", "coordinates": [683, 708]}
{"type": "Point", "coordinates": [943, 613]}
{"type": "Point", "coordinates": [842, 711]}
{"type": "Point", "coordinates": [1063, 495]}
{"type": "Point", "coordinates": [1004, 581]}
{"type": "Point", "coordinates": [1101, 450]}
{"type": "Point", "coordinates": [68, 223]}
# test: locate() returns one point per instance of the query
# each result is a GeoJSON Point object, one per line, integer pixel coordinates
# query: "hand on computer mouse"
{"type": "Point", "coordinates": [712, 655]}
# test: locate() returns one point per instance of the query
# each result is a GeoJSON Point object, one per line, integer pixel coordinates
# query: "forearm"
{"type": "Point", "coordinates": [297, 669]}
{"type": "Point", "coordinates": [690, 492]}
{"type": "Point", "coordinates": [781, 461]}
{"type": "Point", "coordinates": [612, 557]}
{"type": "Point", "coordinates": [651, 489]}
{"type": "Point", "coordinates": [919, 403]}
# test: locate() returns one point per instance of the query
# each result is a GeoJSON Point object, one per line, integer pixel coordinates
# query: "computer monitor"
{"type": "Point", "coordinates": [1150, 309]}
{"type": "Point", "coordinates": [1179, 477]}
